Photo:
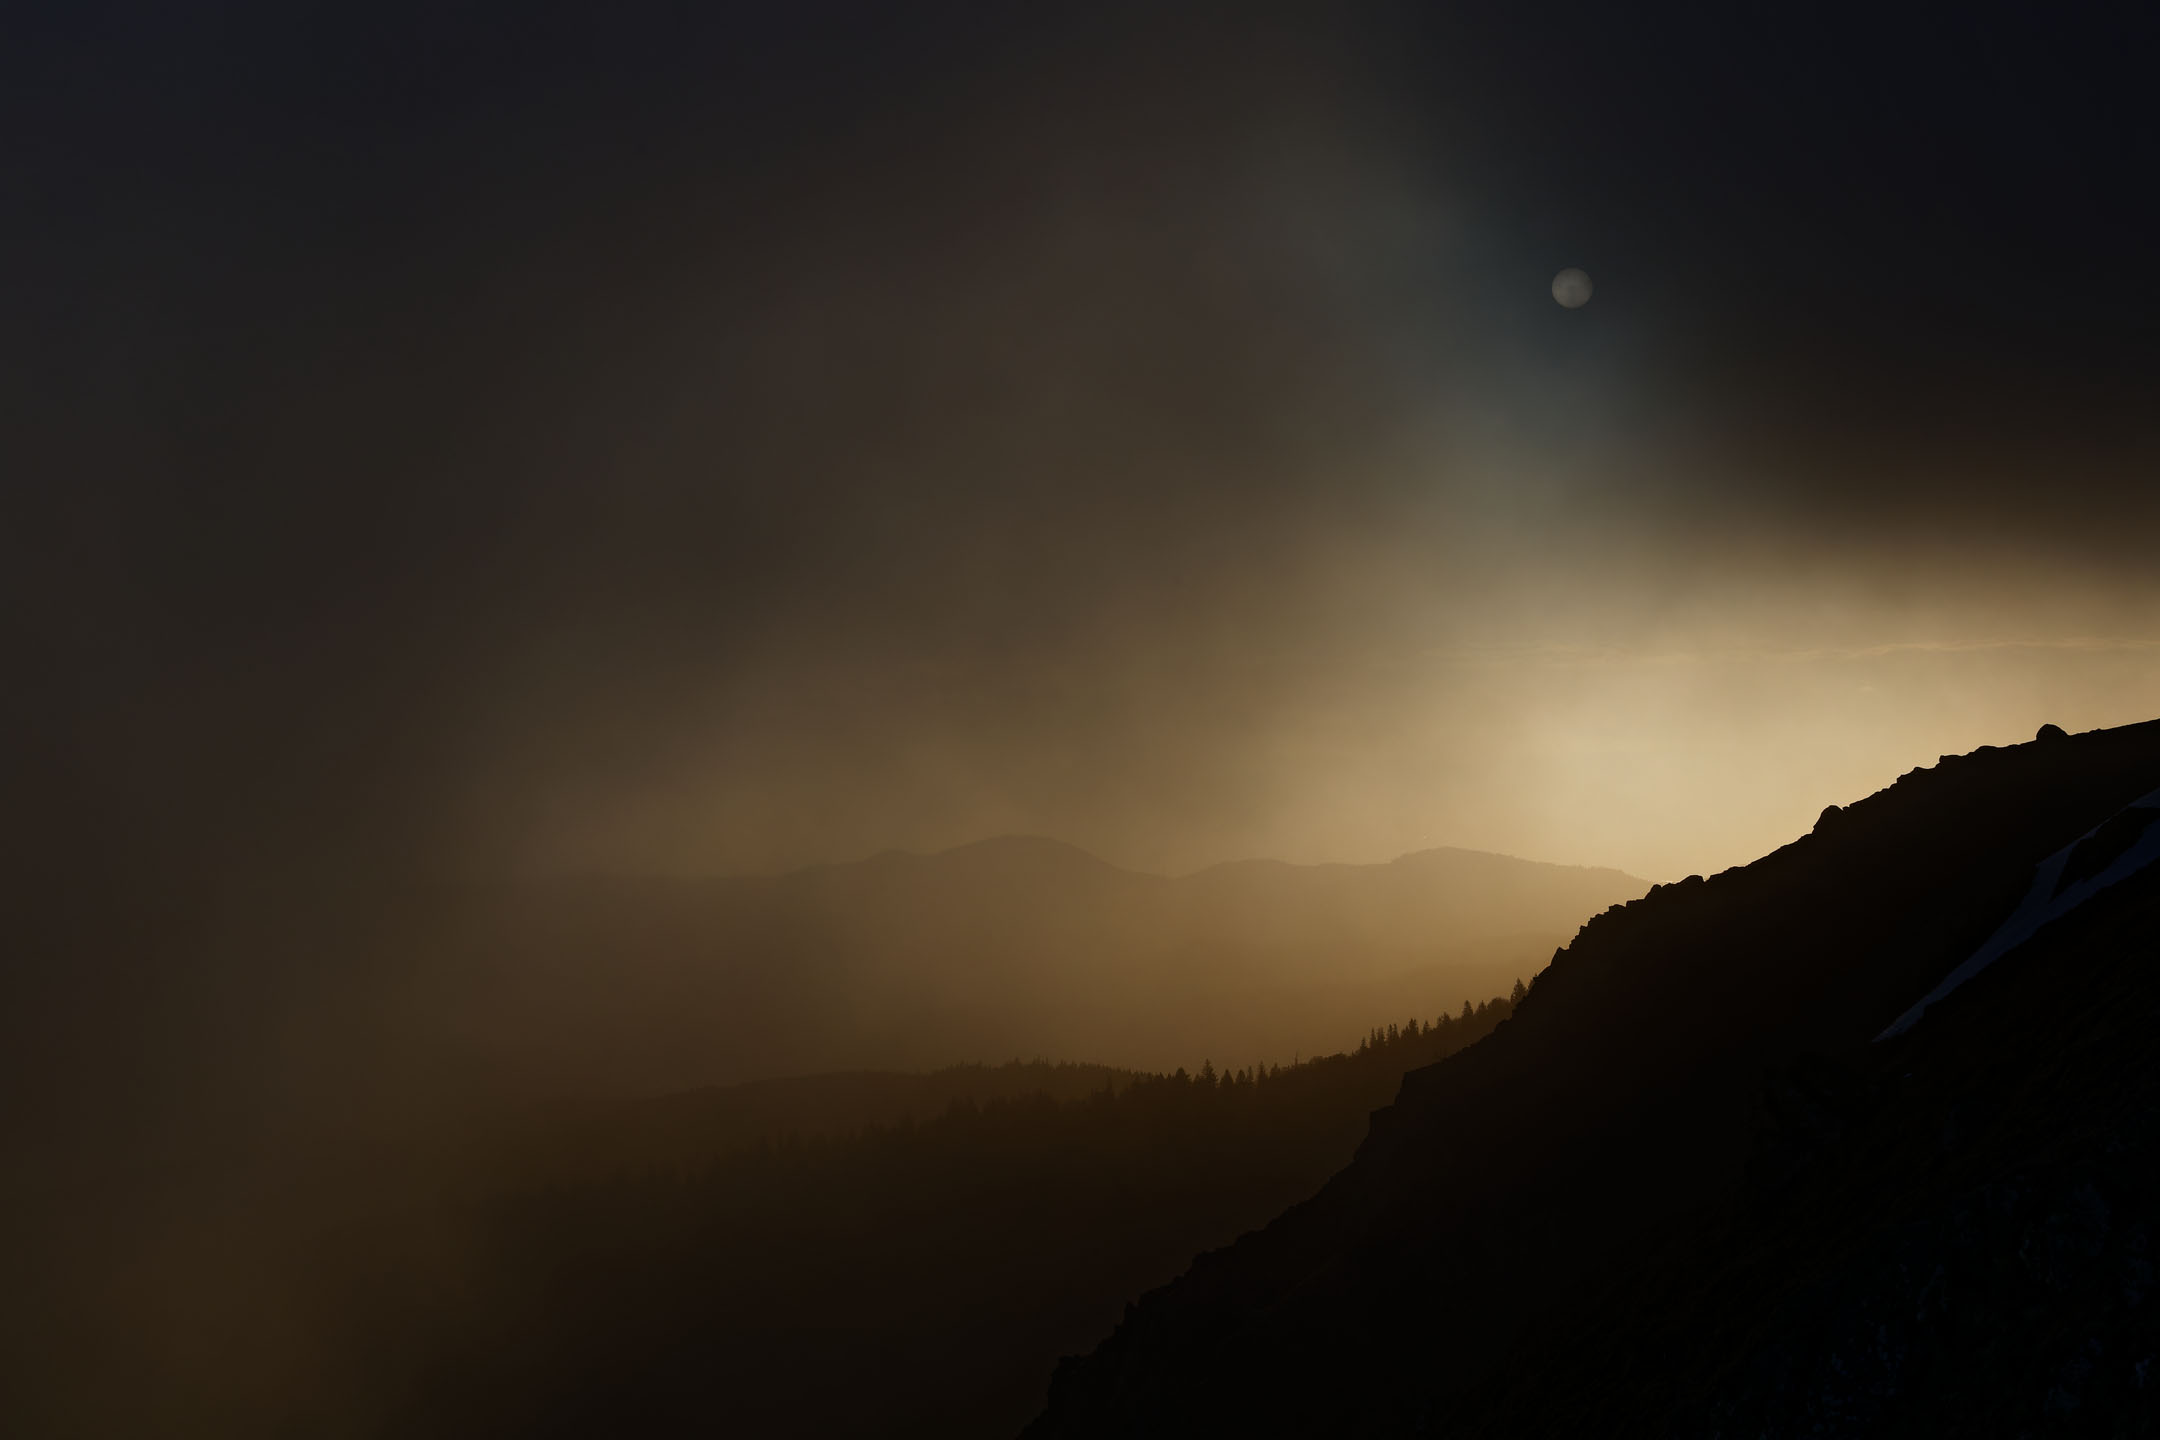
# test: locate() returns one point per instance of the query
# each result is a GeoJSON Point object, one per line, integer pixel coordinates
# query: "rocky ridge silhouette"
{"type": "Point", "coordinates": [1664, 1196]}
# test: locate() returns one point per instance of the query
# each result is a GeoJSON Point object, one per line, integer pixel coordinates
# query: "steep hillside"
{"type": "Point", "coordinates": [916, 1278]}
{"type": "Point", "coordinates": [1530, 1205]}
{"type": "Point", "coordinates": [1948, 1233]}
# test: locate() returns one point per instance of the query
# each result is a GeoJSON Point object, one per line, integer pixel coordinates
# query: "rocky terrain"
{"type": "Point", "coordinates": [1686, 1190]}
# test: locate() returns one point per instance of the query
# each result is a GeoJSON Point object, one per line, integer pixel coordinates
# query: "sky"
{"type": "Point", "coordinates": [541, 438]}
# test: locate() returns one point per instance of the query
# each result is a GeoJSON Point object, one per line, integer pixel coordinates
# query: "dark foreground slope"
{"type": "Point", "coordinates": [1952, 1234]}
{"type": "Point", "coordinates": [1682, 1190]}
{"type": "Point", "coordinates": [909, 1278]}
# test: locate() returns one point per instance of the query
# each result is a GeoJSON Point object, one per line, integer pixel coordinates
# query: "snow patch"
{"type": "Point", "coordinates": [2043, 904]}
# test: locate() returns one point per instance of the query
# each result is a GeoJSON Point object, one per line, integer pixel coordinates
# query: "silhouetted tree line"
{"type": "Point", "coordinates": [921, 1277]}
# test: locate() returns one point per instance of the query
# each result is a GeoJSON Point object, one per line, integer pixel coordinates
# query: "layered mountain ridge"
{"type": "Point", "coordinates": [1529, 1207]}
{"type": "Point", "coordinates": [1017, 947]}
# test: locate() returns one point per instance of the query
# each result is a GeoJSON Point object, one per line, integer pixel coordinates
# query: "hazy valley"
{"type": "Point", "coordinates": [1012, 948]}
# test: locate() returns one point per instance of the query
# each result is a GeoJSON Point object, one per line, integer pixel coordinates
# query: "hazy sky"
{"type": "Point", "coordinates": [706, 437]}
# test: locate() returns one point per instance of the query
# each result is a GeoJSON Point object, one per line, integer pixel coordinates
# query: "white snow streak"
{"type": "Point", "coordinates": [2041, 905]}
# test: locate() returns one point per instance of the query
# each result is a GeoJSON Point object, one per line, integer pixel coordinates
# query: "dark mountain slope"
{"type": "Point", "coordinates": [1949, 1234]}
{"type": "Point", "coordinates": [1557, 1176]}
{"type": "Point", "coordinates": [933, 1268]}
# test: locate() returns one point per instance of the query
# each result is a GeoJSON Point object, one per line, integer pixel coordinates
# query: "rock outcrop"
{"type": "Point", "coordinates": [1684, 1190]}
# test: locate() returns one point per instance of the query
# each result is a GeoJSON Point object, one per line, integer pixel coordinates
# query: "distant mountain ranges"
{"type": "Point", "coordinates": [787, 1097]}
{"type": "Point", "coordinates": [1015, 947]}
{"type": "Point", "coordinates": [1685, 1190]}
{"type": "Point", "coordinates": [1860, 1139]}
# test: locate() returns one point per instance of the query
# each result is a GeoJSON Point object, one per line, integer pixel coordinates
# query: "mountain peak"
{"type": "Point", "coordinates": [1526, 1200]}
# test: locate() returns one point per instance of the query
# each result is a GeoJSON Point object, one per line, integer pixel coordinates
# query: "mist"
{"type": "Point", "coordinates": [1144, 430]}
{"type": "Point", "coordinates": [465, 450]}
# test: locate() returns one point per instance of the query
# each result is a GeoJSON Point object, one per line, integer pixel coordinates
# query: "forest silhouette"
{"type": "Point", "coordinates": [909, 1277]}
{"type": "Point", "coordinates": [318, 1229]}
